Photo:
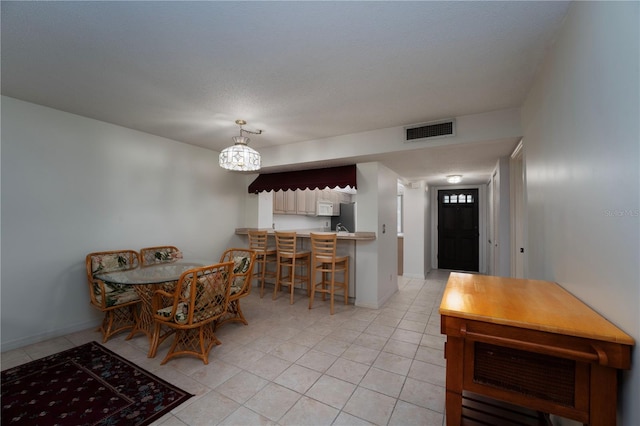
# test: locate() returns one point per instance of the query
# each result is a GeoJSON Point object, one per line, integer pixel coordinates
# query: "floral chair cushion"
{"type": "Point", "coordinates": [115, 294]}
{"type": "Point", "coordinates": [162, 255]}
{"type": "Point", "coordinates": [209, 299]}
{"type": "Point", "coordinates": [181, 313]}
{"type": "Point", "coordinates": [109, 263]}
{"type": "Point", "coordinates": [240, 266]}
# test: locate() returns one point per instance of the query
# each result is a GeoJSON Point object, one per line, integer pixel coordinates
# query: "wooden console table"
{"type": "Point", "coordinates": [530, 343]}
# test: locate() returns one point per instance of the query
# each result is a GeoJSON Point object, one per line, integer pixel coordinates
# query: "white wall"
{"type": "Point", "coordinates": [376, 261]}
{"type": "Point", "coordinates": [365, 264]}
{"type": "Point", "coordinates": [475, 128]}
{"type": "Point", "coordinates": [427, 231]}
{"type": "Point", "coordinates": [494, 125]}
{"type": "Point", "coordinates": [72, 185]}
{"type": "Point", "coordinates": [581, 136]}
{"type": "Point", "coordinates": [414, 211]}
{"type": "Point", "coordinates": [387, 234]}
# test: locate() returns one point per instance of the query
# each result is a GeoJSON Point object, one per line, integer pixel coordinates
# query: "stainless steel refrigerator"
{"type": "Point", "coordinates": [347, 217]}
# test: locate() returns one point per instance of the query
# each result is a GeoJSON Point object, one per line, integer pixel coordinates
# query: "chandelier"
{"type": "Point", "coordinates": [240, 157]}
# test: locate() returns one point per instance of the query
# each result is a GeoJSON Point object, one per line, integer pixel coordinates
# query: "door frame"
{"type": "Point", "coordinates": [482, 222]}
{"type": "Point", "coordinates": [493, 225]}
{"type": "Point", "coordinates": [518, 209]}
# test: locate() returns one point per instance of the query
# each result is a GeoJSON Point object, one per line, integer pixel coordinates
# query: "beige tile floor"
{"type": "Point", "coordinates": [295, 366]}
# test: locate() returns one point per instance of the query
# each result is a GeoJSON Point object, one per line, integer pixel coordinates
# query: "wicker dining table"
{"type": "Point", "coordinates": [146, 279]}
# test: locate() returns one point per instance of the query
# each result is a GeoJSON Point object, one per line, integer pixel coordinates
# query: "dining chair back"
{"type": "Point", "coordinates": [243, 262]}
{"type": "Point", "coordinates": [117, 302]}
{"type": "Point", "coordinates": [265, 255]}
{"type": "Point", "coordinates": [159, 254]}
{"type": "Point", "coordinates": [325, 261]}
{"type": "Point", "coordinates": [292, 260]}
{"type": "Point", "coordinates": [200, 297]}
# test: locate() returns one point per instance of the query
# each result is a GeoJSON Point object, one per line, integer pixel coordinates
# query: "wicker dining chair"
{"type": "Point", "coordinates": [200, 297]}
{"type": "Point", "coordinates": [118, 302]}
{"type": "Point", "coordinates": [159, 254]}
{"type": "Point", "coordinates": [243, 262]}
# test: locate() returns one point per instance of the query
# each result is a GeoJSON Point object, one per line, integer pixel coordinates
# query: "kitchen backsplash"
{"type": "Point", "coordinates": [288, 221]}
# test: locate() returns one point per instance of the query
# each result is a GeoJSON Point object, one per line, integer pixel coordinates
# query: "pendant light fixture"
{"type": "Point", "coordinates": [240, 157]}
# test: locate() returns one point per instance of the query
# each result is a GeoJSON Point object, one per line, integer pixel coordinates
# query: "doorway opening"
{"type": "Point", "coordinates": [458, 229]}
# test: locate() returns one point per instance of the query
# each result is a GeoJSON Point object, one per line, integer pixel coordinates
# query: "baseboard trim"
{"type": "Point", "coordinates": [51, 334]}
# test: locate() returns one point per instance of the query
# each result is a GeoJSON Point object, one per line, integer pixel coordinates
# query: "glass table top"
{"type": "Point", "coordinates": [156, 273]}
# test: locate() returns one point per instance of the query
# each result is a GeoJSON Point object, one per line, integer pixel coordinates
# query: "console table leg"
{"type": "Point", "coordinates": [453, 409]}
{"type": "Point", "coordinates": [603, 396]}
{"type": "Point", "coordinates": [454, 353]}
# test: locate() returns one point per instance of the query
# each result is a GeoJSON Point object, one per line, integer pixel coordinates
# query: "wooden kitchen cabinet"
{"type": "Point", "coordinates": [338, 197]}
{"type": "Point", "coordinates": [284, 202]}
{"type": "Point", "coordinates": [301, 207]}
{"type": "Point", "coordinates": [310, 201]}
{"type": "Point", "coordinates": [306, 202]}
{"type": "Point", "coordinates": [278, 202]}
{"type": "Point", "coordinates": [324, 194]}
{"type": "Point", "coordinates": [335, 199]}
{"type": "Point", "coordinates": [332, 196]}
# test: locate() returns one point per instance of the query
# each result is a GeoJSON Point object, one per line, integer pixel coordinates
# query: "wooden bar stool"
{"type": "Point", "coordinates": [325, 261]}
{"type": "Point", "coordinates": [264, 255]}
{"type": "Point", "coordinates": [289, 257]}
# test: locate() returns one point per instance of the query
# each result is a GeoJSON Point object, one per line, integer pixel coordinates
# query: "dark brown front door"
{"type": "Point", "coordinates": [458, 235]}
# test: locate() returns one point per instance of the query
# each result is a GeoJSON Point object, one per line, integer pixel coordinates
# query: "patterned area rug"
{"type": "Point", "coordinates": [86, 385]}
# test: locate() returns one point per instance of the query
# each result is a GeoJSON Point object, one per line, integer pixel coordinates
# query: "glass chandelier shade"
{"type": "Point", "coordinates": [240, 157]}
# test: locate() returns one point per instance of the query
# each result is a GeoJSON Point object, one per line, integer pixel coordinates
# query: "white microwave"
{"type": "Point", "coordinates": [325, 208]}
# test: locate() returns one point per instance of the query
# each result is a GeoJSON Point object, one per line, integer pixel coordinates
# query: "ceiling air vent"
{"type": "Point", "coordinates": [436, 129]}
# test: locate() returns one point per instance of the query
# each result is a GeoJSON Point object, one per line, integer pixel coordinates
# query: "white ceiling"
{"type": "Point", "coordinates": [298, 70]}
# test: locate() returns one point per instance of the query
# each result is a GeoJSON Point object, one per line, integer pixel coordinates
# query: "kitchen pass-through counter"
{"type": "Point", "coordinates": [304, 233]}
{"type": "Point", "coordinates": [346, 247]}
